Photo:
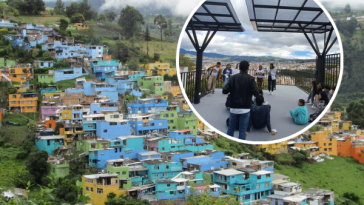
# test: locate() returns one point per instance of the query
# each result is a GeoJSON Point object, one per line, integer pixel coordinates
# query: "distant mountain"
{"type": "Point", "coordinates": [239, 58]}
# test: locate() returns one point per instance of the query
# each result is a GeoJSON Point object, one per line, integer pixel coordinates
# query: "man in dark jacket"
{"type": "Point", "coordinates": [260, 116]}
{"type": "Point", "coordinates": [241, 88]}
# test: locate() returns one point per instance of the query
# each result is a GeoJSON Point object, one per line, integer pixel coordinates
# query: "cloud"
{"type": "Point", "coordinates": [177, 7]}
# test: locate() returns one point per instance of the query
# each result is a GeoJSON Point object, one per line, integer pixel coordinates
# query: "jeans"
{"type": "Point", "coordinates": [311, 96]}
{"type": "Point", "coordinates": [226, 81]}
{"type": "Point", "coordinates": [243, 124]}
{"type": "Point", "coordinates": [271, 84]}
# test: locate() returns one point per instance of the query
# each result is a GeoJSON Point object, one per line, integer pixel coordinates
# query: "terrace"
{"type": "Point", "coordinates": [292, 84]}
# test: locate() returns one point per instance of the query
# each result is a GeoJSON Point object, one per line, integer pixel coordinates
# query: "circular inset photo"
{"type": "Point", "coordinates": [260, 71]}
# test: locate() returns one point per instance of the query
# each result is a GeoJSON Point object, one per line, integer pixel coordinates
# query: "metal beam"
{"type": "Point", "coordinates": [309, 40]}
{"type": "Point", "coordinates": [333, 42]}
{"type": "Point", "coordinates": [314, 39]}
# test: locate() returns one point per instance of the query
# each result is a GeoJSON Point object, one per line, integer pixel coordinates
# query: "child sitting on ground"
{"type": "Point", "coordinates": [300, 115]}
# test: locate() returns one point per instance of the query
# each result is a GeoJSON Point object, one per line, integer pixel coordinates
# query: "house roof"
{"type": "Point", "coordinates": [96, 176]}
{"type": "Point", "coordinates": [261, 172]}
{"type": "Point", "coordinates": [229, 172]}
{"type": "Point", "coordinates": [148, 153]}
{"type": "Point", "coordinates": [295, 198]}
{"type": "Point", "coordinates": [279, 176]}
{"type": "Point", "coordinates": [51, 137]}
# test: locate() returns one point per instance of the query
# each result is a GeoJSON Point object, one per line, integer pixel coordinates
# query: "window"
{"type": "Point", "coordinates": [267, 175]}
{"type": "Point", "coordinates": [266, 184]}
{"type": "Point", "coordinates": [247, 196]}
{"type": "Point", "coordinates": [105, 130]}
{"type": "Point", "coordinates": [93, 146]}
{"type": "Point", "coordinates": [258, 186]}
{"type": "Point", "coordinates": [234, 163]}
{"type": "Point", "coordinates": [156, 175]}
{"type": "Point", "coordinates": [48, 142]}
{"type": "Point", "coordinates": [92, 189]}
{"type": "Point", "coordinates": [156, 167]}
{"type": "Point", "coordinates": [259, 177]}
{"type": "Point", "coordinates": [168, 185]}
{"type": "Point", "coordinates": [90, 125]}
{"type": "Point", "coordinates": [171, 192]}
{"type": "Point", "coordinates": [99, 191]}
{"type": "Point", "coordinates": [13, 102]}
{"type": "Point", "coordinates": [113, 123]}
{"type": "Point", "coordinates": [325, 149]}
{"type": "Point", "coordinates": [123, 173]}
{"type": "Point", "coordinates": [167, 166]}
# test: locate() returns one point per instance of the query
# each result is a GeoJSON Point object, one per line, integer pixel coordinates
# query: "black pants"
{"type": "Point", "coordinates": [271, 84]}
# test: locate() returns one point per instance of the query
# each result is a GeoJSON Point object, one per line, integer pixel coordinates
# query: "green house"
{"type": "Point", "coordinates": [172, 117]}
{"type": "Point", "coordinates": [187, 120]}
{"type": "Point", "coordinates": [59, 167]}
{"type": "Point", "coordinates": [154, 83]}
{"type": "Point", "coordinates": [89, 145]}
{"type": "Point", "coordinates": [6, 62]}
{"type": "Point", "coordinates": [46, 78]}
{"type": "Point", "coordinates": [120, 168]}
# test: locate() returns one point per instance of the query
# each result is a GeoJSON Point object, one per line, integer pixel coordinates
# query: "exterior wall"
{"type": "Point", "coordinates": [18, 103]}
{"type": "Point", "coordinates": [60, 170]}
{"type": "Point", "coordinates": [326, 144]}
{"type": "Point", "coordinates": [60, 75]}
{"type": "Point", "coordinates": [100, 199]}
{"type": "Point", "coordinates": [96, 108]}
{"type": "Point", "coordinates": [161, 126]}
{"type": "Point", "coordinates": [66, 114]}
{"type": "Point", "coordinates": [99, 157]}
{"type": "Point", "coordinates": [147, 106]}
{"type": "Point", "coordinates": [275, 148]}
{"type": "Point", "coordinates": [188, 121]}
{"type": "Point", "coordinates": [50, 124]}
{"type": "Point", "coordinates": [175, 90]}
{"type": "Point", "coordinates": [47, 111]}
{"type": "Point", "coordinates": [20, 75]}
{"type": "Point", "coordinates": [112, 130]}
{"type": "Point", "coordinates": [164, 170]}
{"type": "Point", "coordinates": [155, 84]}
{"type": "Point", "coordinates": [46, 78]}
{"type": "Point", "coordinates": [344, 148]}
{"type": "Point", "coordinates": [44, 64]}
{"type": "Point", "coordinates": [53, 144]}
{"type": "Point", "coordinates": [172, 117]}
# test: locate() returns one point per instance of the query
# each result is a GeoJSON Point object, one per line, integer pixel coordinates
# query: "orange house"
{"type": "Point", "coordinates": [50, 124]}
{"type": "Point", "coordinates": [23, 102]}
{"type": "Point", "coordinates": [357, 152]}
{"type": "Point", "coordinates": [327, 144]}
{"type": "Point", "coordinates": [107, 57]}
{"type": "Point", "coordinates": [344, 147]}
{"type": "Point", "coordinates": [20, 75]}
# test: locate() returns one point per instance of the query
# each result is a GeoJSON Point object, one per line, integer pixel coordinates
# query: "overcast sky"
{"type": "Point", "coordinates": [252, 43]}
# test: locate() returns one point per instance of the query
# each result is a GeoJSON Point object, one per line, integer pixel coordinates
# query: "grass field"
{"type": "Point", "coordinates": [62, 85]}
{"type": "Point", "coordinates": [38, 19]}
{"type": "Point", "coordinates": [343, 174]}
{"type": "Point", "coordinates": [9, 166]}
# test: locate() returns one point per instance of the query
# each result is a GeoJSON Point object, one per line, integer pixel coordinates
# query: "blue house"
{"type": "Point", "coordinates": [124, 85]}
{"type": "Point", "coordinates": [133, 76]}
{"type": "Point", "coordinates": [147, 105]}
{"type": "Point", "coordinates": [49, 143]}
{"type": "Point", "coordinates": [68, 74]}
{"type": "Point", "coordinates": [205, 161]}
{"type": "Point", "coordinates": [95, 51]}
{"type": "Point", "coordinates": [21, 44]}
{"type": "Point", "coordinates": [33, 41]}
{"type": "Point", "coordinates": [160, 169]}
{"type": "Point", "coordinates": [128, 142]}
{"type": "Point", "coordinates": [65, 51]}
{"type": "Point", "coordinates": [43, 64]}
{"type": "Point", "coordinates": [112, 130]}
{"type": "Point", "coordinates": [97, 108]}
{"type": "Point", "coordinates": [176, 156]}
{"type": "Point", "coordinates": [246, 186]}
{"type": "Point", "coordinates": [148, 155]}
{"type": "Point", "coordinates": [49, 89]}
{"type": "Point", "coordinates": [89, 123]}
{"type": "Point", "coordinates": [143, 124]}
{"type": "Point", "coordinates": [99, 68]}
{"type": "Point", "coordinates": [99, 157]}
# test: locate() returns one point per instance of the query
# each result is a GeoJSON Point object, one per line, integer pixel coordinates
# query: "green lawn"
{"type": "Point", "coordinates": [9, 166]}
{"type": "Point", "coordinates": [62, 85]}
{"type": "Point", "coordinates": [343, 174]}
{"type": "Point", "coordinates": [38, 19]}
{"type": "Point", "coordinates": [14, 134]}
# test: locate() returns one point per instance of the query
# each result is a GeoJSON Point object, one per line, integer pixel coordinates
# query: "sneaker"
{"type": "Point", "coordinates": [309, 103]}
{"type": "Point", "coordinates": [213, 92]}
{"type": "Point", "coordinates": [271, 93]}
{"type": "Point", "coordinates": [313, 107]}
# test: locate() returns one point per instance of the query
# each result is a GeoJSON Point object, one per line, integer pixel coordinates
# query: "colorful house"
{"type": "Point", "coordinates": [153, 83]}
{"type": "Point", "coordinates": [99, 186]}
{"type": "Point", "coordinates": [59, 167]}
{"type": "Point", "coordinates": [172, 117]}
{"type": "Point", "coordinates": [112, 130]}
{"type": "Point", "coordinates": [327, 144]}
{"type": "Point", "coordinates": [276, 148]}
{"type": "Point", "coordinates": [100, 68]}
{"type": "Point", "coordinates": [68, 74]}
{"type": "Point", "coordinates": [143, 124]}
{"type": "Point", "coordinates": [46, 78]}
{"type": "Point", "coordinates": [124, 85]}
{"type": "Point", "coordinates": [48, 109]}
{"type": "Point", "coordinates": [49, 143]}
{"type": "Point", "coordinates": [205, 160]}
{"type": "Point", "coordinates": [80, 26]}
{"type": "Point", "coordinates": [43, 64]}
{"type": "Point", "coordinates": [147, 105]}
{"type": "Point", "coordinates": [97, 108]}
{"type": "Point", "coordinates": [160, 169]}
{"type": "Point", "coordinates": [187, 120]}
{"type": "Point", "coordinates": [246, 186]}
{"type": "Point", "coordinates": [20, 75]}
{"type": "Point", "coordinates": [175, 90]}
{"type": "Point", "coordinates": [23, 102]}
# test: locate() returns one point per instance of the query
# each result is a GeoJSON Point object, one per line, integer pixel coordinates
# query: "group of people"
{"type": "Point", "coordinates": [246, 113]}
{"type": "Point", "coordinates": [215, 72]}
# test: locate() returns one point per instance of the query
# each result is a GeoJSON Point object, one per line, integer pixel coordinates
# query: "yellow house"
{"type": "Point", "coordinates": [98, 186]}
{"type": "Point", "coordinates": [334, 115]}
{"type": "Point", "coordinates": [67, 114]}
{"type": "Point", "coordinates": [151, 66]}
{"type": "Point", "coordinates": [276, 148]}
{"type": "Point", "coordinates": [20, 75]}
{"type": "Point", "coordinates": [327, 145]}
{"type": "Point", "coordinates": [201, 125]}
{"type": "Point", "coordinates": [81, 26]}
{"type": "Point", "coordinates": [335, 125]}
{"type": "Point", "coordinates": [308, 145]}
{"type": "Point", "coordinates": [163, 69]}
{"type": "Point", "coordinates": [175, 90]}
{"type": "Point", "coordinates": [52, 97]}
{"type": "Point", "coordinates": [23, 88]}
{"type": "Point", "coordinates": [346, 125]}
{"type": "Point", "coordinates": [23, 102]}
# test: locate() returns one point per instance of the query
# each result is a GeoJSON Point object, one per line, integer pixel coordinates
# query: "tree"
{"type": "Point", "coordinates": [157, 57]}
{"type": "Point", "coordinates": [59, 8]}
{"type": "Point", "coordinates": [77, 18]}
{"type": "Point", "coordinates": [169, 31]}
{"type": "Point", "coordinates": [37, 165]}
{"type": "Point", "coordinates": [347, 9]}
{"type": "Point", "coordinates": [72, 9]}
{"type": "Point", "coordinates": [147, 36]}
{"type": "Point", "coordinates": [130, 21]}
{"type": "Point", "coordinates": [29, 6]}
{"type": "Point", "coordinates": [133, 64]}
{"type": "Point", "coordinates": [63, 24]}
{"type": "Point", "coordinates": [110, 15]}
{"type": "Point", "coordinates": [355, 112]}
{"type": "Point", "coordinates": [196, 198]}
{"type": "Point", "coordinates": [160, 21]}
{"type": "Point", "coordinates": [185, 61]}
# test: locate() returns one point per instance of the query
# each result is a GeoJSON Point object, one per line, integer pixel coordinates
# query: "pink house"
{"type": "Point", "coordinates": [151, 143]}
{"type": "Point", "coordinates": [48, 109]}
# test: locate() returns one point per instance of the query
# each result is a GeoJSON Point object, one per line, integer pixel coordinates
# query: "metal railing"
{"type": "Point", "coordinates": [332, 69]}
{"type": "Point", "coordinates": [301, 79]}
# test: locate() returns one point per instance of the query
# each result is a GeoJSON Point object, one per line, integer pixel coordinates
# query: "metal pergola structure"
{"type": "Point", "coordinates": [298, 16]}
{"type": "Point", "coordinates": [288, 16]}
{"type": "Point", "coordinates": [212, 16]}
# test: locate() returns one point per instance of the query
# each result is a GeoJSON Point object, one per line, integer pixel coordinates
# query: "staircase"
{"type": "Point", "coordinates": [6, 77]}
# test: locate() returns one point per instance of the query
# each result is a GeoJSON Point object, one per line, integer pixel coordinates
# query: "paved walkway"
{"type": "Point", "coordinates": [212, 109]}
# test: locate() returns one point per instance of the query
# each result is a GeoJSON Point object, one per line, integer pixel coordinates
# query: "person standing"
{"type": "Point", "coordinates": [260, 75]}
{"type": "Point", "coordinates": [236, 69]}
{"type": "Point", "coordinates": [214, 72]}
{"type": "Point", "coordinates": [241, 87]}
{"type": "Point", "coordinates": [271, 79]}
{"type": "Point", "coordinates": [226, 73]}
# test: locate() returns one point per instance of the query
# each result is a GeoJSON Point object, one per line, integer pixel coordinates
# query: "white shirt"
{"type": "Point", "coordinates": [273, 73]}
{"type": "Point", "coordinates": [260, 73]}
{"type": "Point", "coordinates": [235, 71]}
{"type": "Point", "coordinates": [215, 71]}
{"type": "Point", "coordinates": [238, 111]}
